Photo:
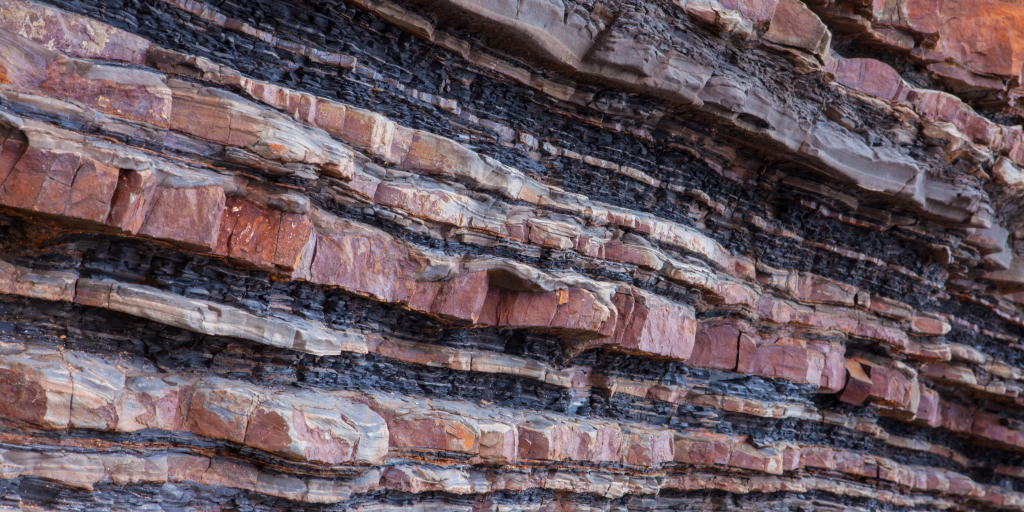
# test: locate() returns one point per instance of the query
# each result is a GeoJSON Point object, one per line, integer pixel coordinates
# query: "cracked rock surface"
{"type": "Point", "coordinates": [511, 255]}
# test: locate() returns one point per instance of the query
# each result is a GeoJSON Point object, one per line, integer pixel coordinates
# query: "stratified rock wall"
{"type": "Point", "coordinates": [511, 255]}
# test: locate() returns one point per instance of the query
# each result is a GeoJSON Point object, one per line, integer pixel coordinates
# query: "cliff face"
{"type": "Point", "coordinates": [511, 255]}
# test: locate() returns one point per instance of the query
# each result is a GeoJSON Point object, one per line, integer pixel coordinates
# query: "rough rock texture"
{"type": "Point", "coordinates": [511, 255]}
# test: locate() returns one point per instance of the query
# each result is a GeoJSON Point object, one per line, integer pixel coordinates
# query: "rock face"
{"type": "Point", "coordinates": [497, 255]}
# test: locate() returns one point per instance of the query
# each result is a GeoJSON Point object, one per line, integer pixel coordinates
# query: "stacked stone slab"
{"type": "Point", "coordinates": [507, 255]}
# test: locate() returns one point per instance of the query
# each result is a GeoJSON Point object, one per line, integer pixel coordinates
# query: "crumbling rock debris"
{"type": "Point", "coordinates": [511, 255]}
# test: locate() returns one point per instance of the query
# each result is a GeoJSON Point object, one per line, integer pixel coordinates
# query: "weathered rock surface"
{"type": "Point", "coordinates": [511, 255]}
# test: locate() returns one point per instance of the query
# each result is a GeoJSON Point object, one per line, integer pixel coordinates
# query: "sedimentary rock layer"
{"type": "Point", "coordinates": [511, 255]}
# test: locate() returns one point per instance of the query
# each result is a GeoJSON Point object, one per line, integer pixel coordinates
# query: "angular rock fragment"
{"type": "Point", "coordinates": [796, 26]}
{"type": "Point", "coordinates": [716, 346]}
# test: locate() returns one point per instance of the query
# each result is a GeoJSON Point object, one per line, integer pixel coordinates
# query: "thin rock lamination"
{"type": "Point", "coordinates": [511, 255]}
